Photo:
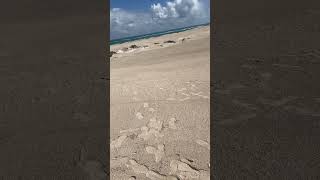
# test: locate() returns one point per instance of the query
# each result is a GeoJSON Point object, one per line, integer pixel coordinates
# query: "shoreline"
{"type": "Point", "coordinates": [155, 34]}
{"type": "Point", "coordinates": [163, 41]}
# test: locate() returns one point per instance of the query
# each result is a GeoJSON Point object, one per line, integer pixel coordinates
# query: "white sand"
{"type": "Point", "coordinates": [160, 108]}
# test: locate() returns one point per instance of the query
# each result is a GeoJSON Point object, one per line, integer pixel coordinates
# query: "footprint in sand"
{"type": "Point", "coordinates": [137, 168]}
{"type": "Point", "coordinates": [132, 178]}
{"type": "Point", "coordinates": [118, 162]}
{"type": "Point", "coordinates": [158, 152]}
{"type": "Point", "coordinates": [139, 115]}
{"type": "Point", "coordinates": [176, 165]}
{"type": "Point", "coordinates": [172, 123]}
{"type": "Point", "coordinates": [184, 171]}
{"type": "Point", "coordinates": [153, 123]}
{"type": "Point", "coordinates": [144, 133]}
{"type": "Point", "coordinates": [153, 128]}
{"type": "Point", "coordinates": [148, 133]}
{"type": "Point", "coordinates": [118, 142]}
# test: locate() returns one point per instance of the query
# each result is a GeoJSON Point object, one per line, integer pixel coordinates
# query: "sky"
{"type": "Point", "coordinates": [137, 17]}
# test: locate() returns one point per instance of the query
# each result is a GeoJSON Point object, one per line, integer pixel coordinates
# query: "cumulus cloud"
{"type": "Point", "coordinates": [125, 23]}
{"type": "Point", "coordinates": [179, 8]}
{"type": "Point", "coordinates": [172, 14]}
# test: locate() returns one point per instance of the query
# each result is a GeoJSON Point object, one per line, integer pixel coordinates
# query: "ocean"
{"type": "Point", "coordinates": [146, 36]}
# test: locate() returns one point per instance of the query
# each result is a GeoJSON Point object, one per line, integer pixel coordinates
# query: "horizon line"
{"type": "Point", "coordinates": [136, 36]}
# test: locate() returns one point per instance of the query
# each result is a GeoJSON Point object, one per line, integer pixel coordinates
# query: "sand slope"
{"type": "Point", "coordinates": [160, 108]}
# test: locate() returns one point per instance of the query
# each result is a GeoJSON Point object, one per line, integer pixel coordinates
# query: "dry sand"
{"type": "Point", "coordinates": [160, 97]}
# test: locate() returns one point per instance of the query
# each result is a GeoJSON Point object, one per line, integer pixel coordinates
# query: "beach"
{"type": "Point", "coordinates": [160, 107]}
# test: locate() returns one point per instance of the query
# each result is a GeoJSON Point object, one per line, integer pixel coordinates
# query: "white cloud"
{"type": "Point", "coordinates": [174, 14]}
{"type": "Point", "coordinates": [124, 23]}
{"type": "Point", "coordinates": [159, 11]}
{"type": "Point", "coordinates": [179, 8]}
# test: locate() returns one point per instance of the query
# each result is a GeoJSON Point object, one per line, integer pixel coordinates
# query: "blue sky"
{"type": "Point", "coordinates": [136, 17]}
{"type": "Point", "coordinates": [134, 5]}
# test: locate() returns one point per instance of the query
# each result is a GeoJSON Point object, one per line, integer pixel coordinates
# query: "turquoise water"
{"type": "Point", "coordinates": [146, 36]}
